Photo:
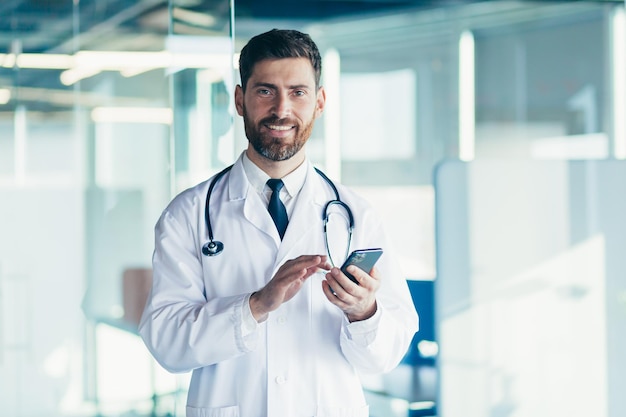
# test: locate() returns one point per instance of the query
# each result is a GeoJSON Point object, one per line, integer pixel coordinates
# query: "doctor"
{"type": "Point", "coordinates": [258, 323]}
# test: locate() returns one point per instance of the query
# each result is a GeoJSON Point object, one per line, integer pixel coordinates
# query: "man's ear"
{"type": "Point", "coordinates": [239, 100]}
{"type": "Point", "coordinates": [321, 102]}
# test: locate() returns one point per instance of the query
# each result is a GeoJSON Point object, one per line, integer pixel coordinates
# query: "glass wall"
{"type": "Point", "coordinates": [531, 289]}
{"type": "Point", "coordinates": [134, 104]}
{"type": "Point", "coordinates": [96, 135]}
{"type": "Point", "coordinates": [497, 80]}
{"type": "Point", "coordinates": [540, 87]}
{"type": "Point", "coordinates": [543, 84]}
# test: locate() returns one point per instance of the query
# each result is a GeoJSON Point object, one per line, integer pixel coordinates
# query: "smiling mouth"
{"type": "Point", "coordinates": [279, 127]}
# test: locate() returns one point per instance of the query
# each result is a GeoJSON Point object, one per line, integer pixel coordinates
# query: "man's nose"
{"type": "Point", "coordinates": [282, 106]}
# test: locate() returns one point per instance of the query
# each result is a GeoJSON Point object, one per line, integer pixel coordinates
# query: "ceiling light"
{"type": "Point", "coordinates": [162, 115]}
{"type": "Point", "coordinates": [132, 72]}
{"type": "Point", "coordinates": [45, 61]}
{"type": "Point", "coordinates": [466, 97]}
{"type": "Point", "coordinates": [193, 18]}
{"type": "Point", "coordinates": [72, 76]}
{"type": "Point", "coordinates": [114, 60]}
{"type": "Point", "coordinates": [619, 83]}
{"type": "Point", "coordinates": [7, 60]}
{"type": "Point", "coordinates": [86, 64]}
{"type": "Point", "coordinates": [5, 95]}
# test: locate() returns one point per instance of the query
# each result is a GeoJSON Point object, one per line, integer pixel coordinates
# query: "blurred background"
{"type": "Point", "coordinates": [490, 135]}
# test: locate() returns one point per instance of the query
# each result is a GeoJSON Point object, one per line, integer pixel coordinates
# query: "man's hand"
{"type": "Point", "coordinates": [358, 302]}
{"type": "Point", "coordinates": [285, 284]}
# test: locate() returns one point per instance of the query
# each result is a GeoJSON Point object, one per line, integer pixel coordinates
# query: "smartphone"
{"type": "Point", "coordinates": [365, 259]}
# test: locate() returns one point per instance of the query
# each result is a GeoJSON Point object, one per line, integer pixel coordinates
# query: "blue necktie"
{"type": "Point", "coordinates": [276, 207]}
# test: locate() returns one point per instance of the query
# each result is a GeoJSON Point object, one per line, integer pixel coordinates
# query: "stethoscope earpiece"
{"type": "Point", "coordinates": [212, 248]}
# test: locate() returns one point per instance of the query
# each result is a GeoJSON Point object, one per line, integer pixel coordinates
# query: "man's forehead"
{"type": "Point", "coordinates": [269, 65]}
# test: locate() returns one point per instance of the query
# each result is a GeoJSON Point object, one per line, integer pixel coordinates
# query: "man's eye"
{"type": "Point", "coordinates": [299, 93]}
{"type": "Point", "coordinates": [264, 92]}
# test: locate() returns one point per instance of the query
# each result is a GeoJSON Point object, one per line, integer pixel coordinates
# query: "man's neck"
{"type": "Point", "coordinates": [276, 169]}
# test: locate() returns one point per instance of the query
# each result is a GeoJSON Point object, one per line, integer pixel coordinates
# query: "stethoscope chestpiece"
{"type": "Point", "coordinates": [212, 248]}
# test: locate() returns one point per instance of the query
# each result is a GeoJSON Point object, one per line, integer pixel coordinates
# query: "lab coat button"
{"type": "Point", "coordinates": [282, 320]}
{"type": "Point", "coordinates": [280, 380]}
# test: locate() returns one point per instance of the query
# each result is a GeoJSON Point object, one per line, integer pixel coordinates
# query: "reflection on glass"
{"type": "Point", "coordinates": [529, 266]}
{"type": "Point", "coordinates": [120, 106]}
{"type": "Point", "coordinates": [87, 122]}
{"type": "Point", "coordinates": [535, 98]}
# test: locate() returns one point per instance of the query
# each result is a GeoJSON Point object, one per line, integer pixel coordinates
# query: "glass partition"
{"type": "Point", "coordinates": [133, 103]}
{"type": "Point", "coordinates": [530, 289]}
{"type": "Point", "coordinates": [96, 135]}
{"type": "Point", "coordinates": [487, 80]}
{"type": "Point", "coordinates": [202, 95]}
{"type": "Point", "coordinates": [541, 85]}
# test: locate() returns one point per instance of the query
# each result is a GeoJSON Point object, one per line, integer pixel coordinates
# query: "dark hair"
{"type": "Point", "coordinates": [277, 44]}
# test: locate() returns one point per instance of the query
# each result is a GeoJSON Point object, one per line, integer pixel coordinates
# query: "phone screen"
{"type": "Point", "coordinates": [365, 259]}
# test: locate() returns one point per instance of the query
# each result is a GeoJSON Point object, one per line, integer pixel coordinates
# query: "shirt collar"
{"type": "Point", "coordinates": [257, 177]}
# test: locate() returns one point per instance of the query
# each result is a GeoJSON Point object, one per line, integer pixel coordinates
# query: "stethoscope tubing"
{"type": "Point", "coordinates": [214, 247]}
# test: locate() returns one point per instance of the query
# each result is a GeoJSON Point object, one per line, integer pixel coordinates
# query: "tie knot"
{"type": "Point", "coordinates": [275, 184]}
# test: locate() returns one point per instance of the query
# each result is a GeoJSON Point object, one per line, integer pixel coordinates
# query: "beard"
{"type": "Point", "coordinates": [276, 148]}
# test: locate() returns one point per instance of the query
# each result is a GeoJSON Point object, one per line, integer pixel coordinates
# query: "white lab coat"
{"type": "Point", "coordinates": [305, 359]}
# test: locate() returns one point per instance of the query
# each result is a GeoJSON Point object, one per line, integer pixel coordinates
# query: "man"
{"type": "Point", "coordinates": [268, 325]}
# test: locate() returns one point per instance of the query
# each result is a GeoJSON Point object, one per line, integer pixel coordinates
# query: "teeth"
{"type": "Point", "coordinates": [274, 127]}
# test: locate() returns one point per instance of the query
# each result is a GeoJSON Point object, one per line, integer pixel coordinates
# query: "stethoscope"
{"type": "Point", "coordinates": [215, 247]}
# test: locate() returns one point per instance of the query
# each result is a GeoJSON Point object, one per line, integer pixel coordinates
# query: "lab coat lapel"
{"type": "Point", "coordinates": [254, 209]}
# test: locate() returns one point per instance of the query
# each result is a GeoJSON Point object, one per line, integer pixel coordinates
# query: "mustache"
{"type": "Point", "coordinates": [278, 122]}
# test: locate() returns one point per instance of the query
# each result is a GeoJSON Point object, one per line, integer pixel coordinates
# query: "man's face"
{"type": "Point", "coordinates": [279, 106]}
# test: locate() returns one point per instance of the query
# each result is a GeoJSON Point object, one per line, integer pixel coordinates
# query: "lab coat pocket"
{"type": "Point", "coordinates": [342, 411]}
{"type": "Point", "coordinates": [232, 411]}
